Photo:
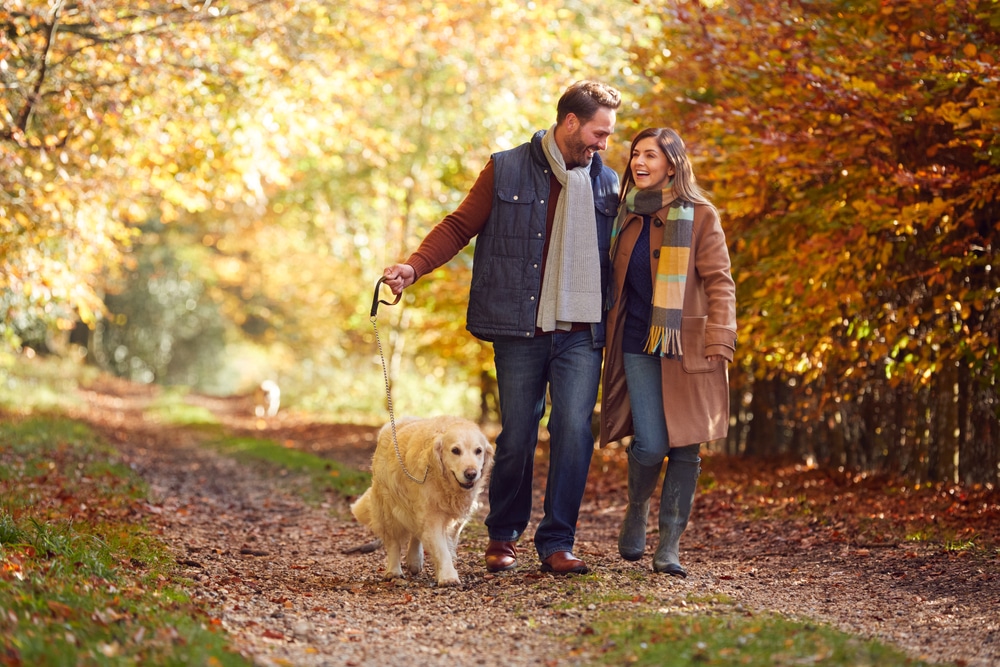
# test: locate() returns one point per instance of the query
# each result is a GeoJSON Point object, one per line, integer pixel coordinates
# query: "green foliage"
{"type": "Point", "coordinates": [162, 325]}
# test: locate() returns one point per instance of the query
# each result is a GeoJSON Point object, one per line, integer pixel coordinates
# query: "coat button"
{"type": "Point", "coordinates": [657, 222]}
{"type": "Point", "coordinates": [656, 253]}
{"type": "Point", "coordinates": [515, 197]}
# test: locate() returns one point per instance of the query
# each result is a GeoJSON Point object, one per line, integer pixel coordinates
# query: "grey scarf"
{"type": "Point", "coordinates": [571, 286]}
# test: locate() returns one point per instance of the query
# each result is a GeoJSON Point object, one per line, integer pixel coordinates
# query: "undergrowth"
{"type": "Point", "coordinates": [82, 581]}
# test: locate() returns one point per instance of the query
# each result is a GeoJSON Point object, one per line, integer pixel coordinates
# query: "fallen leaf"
{"type": "Point", "coordinates": [59, 609]}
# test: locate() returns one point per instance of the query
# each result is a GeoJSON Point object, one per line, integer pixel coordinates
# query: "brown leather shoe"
{"type": "Point", "coordinates": [501, 556]}
{"type": "Point", "coordinates": [564, 562]}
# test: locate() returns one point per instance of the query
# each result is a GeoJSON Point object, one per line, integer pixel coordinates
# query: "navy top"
{"type": "Point", "coordinates": [638, 294]}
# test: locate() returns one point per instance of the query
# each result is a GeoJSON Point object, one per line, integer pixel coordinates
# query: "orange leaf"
{"type": "Point", "coordinates": [59, 609]}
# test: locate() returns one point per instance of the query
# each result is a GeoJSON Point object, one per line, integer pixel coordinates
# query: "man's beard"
{"type": "Point", "coordinates": [578, 150]}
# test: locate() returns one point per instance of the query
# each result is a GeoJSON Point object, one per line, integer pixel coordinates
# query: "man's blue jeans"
{"type": "Point", "coordinates": [570, 367]}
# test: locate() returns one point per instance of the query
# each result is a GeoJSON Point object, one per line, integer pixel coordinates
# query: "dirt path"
{"type": "Point", "coordinates": [271, 568]}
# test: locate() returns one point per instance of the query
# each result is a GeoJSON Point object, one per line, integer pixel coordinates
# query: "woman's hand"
{"type": "Point", "coordinates": [715, 357]}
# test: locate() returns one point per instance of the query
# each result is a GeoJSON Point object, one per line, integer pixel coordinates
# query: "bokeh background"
{"type": "Point", "coordinates": [202, 194]}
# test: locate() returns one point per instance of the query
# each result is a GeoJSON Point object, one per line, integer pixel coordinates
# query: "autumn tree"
{"type": "Point", "coordinates": [853, 147]}
{"type": "Point", "coordinates": [386, 113]}
{"type": "Point", "coordinates": [111, 113]}
{"type": "Point", "coordinates": [300, 146]}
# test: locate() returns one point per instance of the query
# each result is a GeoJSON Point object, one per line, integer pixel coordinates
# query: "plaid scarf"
{"type": "Point", "coordinates": [671, 269]}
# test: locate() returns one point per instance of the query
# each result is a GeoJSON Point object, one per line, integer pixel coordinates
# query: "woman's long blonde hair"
{"type": "Point", "coordinates": [685, 185]}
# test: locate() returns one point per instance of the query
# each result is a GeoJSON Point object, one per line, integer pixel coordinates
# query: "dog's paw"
{"type": "Point", "coordinates": [390, 575]}
{"type": "Point", "coordinates": [450, 582]}
{"type": "Point", "coordinates": [414, 565]}
{"type": "Point", "coordinates": [415, 557]}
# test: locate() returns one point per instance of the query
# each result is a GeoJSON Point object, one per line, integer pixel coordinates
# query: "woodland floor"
{"type": "Point", "coordinates": [809, 544]}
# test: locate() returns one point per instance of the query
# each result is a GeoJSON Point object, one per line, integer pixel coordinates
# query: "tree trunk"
{"type": "Point", "coordinates": [897, 443]}
{"type": "Point", "coordinates": [762, 435]}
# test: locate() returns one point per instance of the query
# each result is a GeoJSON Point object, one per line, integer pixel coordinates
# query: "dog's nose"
{"type": "Point", "coordinates": [471, 474]}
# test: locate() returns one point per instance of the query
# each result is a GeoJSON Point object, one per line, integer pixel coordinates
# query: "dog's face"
{"type": "Point", "coordinates": [466, 455]}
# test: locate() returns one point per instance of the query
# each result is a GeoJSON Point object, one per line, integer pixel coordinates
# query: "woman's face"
{"type": "Point", "coordinates": [651, 169]}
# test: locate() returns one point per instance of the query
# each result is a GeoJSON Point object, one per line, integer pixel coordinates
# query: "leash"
{"type": "Point", "coordinates": [385, 376]}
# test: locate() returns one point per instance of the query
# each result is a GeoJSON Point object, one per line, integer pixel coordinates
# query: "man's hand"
{"type": "Point", "coordinates": [398, 277]}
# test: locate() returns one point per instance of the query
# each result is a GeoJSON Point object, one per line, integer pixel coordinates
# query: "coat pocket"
{"type": "Point", "coordinates": [693, 343]}
{"type": "Point", "coordinates": [515, 195]}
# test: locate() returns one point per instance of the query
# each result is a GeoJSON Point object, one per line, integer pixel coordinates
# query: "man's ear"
{"type": "Point", "coordinates": [571, 122]}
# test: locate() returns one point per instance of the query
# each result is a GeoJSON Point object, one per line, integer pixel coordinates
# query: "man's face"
{"type": "Point", "coordinates": [582, 141]}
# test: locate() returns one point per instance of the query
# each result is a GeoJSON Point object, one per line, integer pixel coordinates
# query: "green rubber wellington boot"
{"type": "Point", "coordinates": [641, 483]}
{"type": "Point", "coordinates": [676, 500]}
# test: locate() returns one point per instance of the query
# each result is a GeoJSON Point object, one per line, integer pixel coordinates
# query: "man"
{"type": "Point", "coordinates": [541, 214]}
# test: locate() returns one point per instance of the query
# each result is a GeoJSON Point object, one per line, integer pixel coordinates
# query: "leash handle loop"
{"type": "Point", "coordinates": [376, 301]}
{"type": "Point", "coordinates": [385, 376]}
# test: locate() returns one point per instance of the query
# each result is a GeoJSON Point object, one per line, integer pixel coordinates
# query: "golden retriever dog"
{"type": "Point", "coordinates": [448, 460]}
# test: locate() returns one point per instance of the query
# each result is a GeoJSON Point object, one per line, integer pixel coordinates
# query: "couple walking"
{"type": "Point", "coordinates": [574, 277]}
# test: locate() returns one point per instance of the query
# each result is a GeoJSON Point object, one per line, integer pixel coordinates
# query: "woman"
{"type": "Point", "coordinates": [671, 334]}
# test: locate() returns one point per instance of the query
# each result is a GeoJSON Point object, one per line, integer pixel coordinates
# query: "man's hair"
{"type": "Point", "coordinates": [585, 98]}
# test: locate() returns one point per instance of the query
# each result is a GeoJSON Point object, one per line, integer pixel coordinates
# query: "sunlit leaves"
{"type": "Point", "coordinates": [376, 120]}
{"type": "Point", "coordinates": [852, 146]}
{"type": "Point", "coordinates": [78, 157]}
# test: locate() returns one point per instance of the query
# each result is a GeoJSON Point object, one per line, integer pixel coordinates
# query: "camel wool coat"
{"type": "Point", "coordinates": [695, 390]}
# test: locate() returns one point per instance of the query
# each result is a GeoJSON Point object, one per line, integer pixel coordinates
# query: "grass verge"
{"type": "Point", "coordinates": [28, 384]}
{"type": "Point", "coordinates": [322, 476]}
{"type": "Point", "coordinates": [311, 477]}
{"type": "Point", "coordinates": [727, 636]}
{"type": "Point", "coordinates": [171, 407]}
{"type": "Point", "coordinates": [82, 582]}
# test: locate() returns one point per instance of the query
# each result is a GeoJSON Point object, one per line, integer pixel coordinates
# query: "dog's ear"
{"type": "Point", "coordinates": [439, 452]}
{"type": "Point", "coordinates": [490, 450]}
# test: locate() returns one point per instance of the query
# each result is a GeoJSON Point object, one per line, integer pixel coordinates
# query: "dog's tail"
{"type": "Point", "coordinates": [362, 508]}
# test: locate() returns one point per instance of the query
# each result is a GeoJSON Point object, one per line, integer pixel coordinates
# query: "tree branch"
{"type": "Point", "coordinates": [24, 118]}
